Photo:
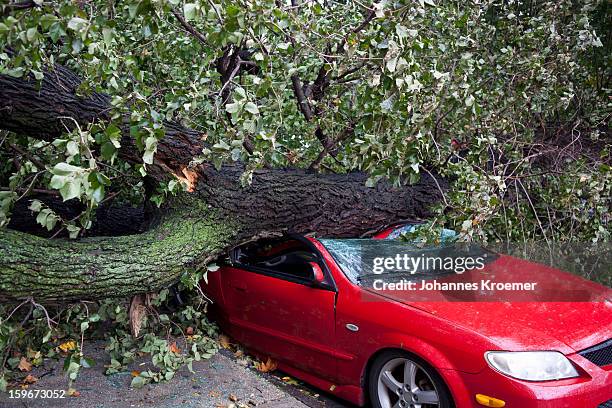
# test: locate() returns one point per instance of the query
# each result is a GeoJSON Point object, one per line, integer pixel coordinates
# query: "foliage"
{"type": "Point", "coordinates": [171, 335]}
{"type": "Point", "coordinates": [511, 81]}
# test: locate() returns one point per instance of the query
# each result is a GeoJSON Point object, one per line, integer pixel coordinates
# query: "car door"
{"type": "Point", "coordinates": [283, 316]}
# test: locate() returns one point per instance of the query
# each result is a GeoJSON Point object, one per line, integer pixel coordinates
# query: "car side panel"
{"type": "Point", "coordinates": [291, 322]}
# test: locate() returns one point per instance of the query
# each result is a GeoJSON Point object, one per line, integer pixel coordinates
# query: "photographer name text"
{"type": "Point", "coordinates": [434, 285]}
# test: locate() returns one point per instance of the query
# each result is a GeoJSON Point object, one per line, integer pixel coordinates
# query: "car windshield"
{"type": "Point", "coordinates": [367, 259]}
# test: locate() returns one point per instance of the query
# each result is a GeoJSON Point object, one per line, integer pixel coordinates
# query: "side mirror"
{"type": "Point", "coordinates": [318, 276]}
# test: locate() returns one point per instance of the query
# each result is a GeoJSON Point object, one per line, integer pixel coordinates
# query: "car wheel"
{"type": "Point", "coordinates": [399, 380]}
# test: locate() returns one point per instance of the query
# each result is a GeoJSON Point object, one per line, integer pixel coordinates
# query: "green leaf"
{"type": "Point", "coordinates": [391, 64]}
{"type": "Point", "coordinates": [371, 182]}
{"type": "Point", "coordinates": [102, 179]}
{"type": "Point", "coordinates": [469, 101]}
{"type": "Point", "coordinates": [221, 146]}
{"type": "Point", "coordinates": [56, 31]}
{"type": "Point", "coordinates": [50, 222]}
{"type": "Point", "coordinates": [150, 149]}
{"type": "Point", "coordinates": [35, 206]}
{"type": "Point", "coordinates": [73, 231]}
{"type": "Point", "coordinates": [251, 108]}
{"type": "Point", "coordinates": [108, 151]}
{"type": "Point", "coordinates": [72, 148]}
{"type": "Point", "coordinates": [107, 34]}
{"type": "Point", "coordinates": [70, 190]}
{"type": "Point", "coordinates": [77, 23]}
{"type": "Point", "coordinates": [14, 72]}
{"type": "Point", "coordinates": [114, 134]}
{"type": "Point", "coordinates": [41, 218]}
{"type": "Point", "coordinates": [37, 74]}
{"type": "Point", "coordinates": [232, 107]}
{"type": "Point", "coordinates": [65, 169]}
{"type": "Point", "coordinates": [190, 10]}
{"type": "Point", "coordinates": [58, 182]}
{"type": "Point", "coordinates": [31, 33]}
{"type": "Point", "coordinates": [98, 194]}
{"type": "Point", "coordinates": [138, 382]}
{"type": "Point", "coordinates": [87, 362]}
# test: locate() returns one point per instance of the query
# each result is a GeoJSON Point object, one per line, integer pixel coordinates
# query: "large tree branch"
{"type": "Point", "coordinates": [41, 111]}
{"type": "Point", "coordinates": [198, 227]}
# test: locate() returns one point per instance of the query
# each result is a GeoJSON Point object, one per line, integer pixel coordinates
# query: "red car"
{"type": "Point", "coordinates": [309, 304]}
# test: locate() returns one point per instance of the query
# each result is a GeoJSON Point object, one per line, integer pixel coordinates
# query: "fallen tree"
{"type": "Point", "coordinates": [191, 230]}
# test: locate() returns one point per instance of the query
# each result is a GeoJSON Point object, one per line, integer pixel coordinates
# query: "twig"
{"type": "Point", "coordinates": [437, 185]}
{"type": "Point", "coordinates": [22, 152]}
{"type": "Point", "coordinates": [199, 36]}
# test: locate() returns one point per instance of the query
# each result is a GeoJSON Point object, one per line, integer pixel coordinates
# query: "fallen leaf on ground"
{"type": "Point", "coordinates": [73, 393]}
{"type": "Point", "coordinates": [34, 355]}
{"type": "Point", "coordinates": [30, 379]}
{"type": "Point", "coordinates": [214, 393]}
{"type": "Point", "coordinates": [290, 380]}
{"type": "Point", "coordinates": [174, 348]}
{"type": "Point", "coordinates": [135, 373]}
{"type": "Point", "coordinates": [269, 365]}
{"type": "Point", "coordinates": [189, 331]}
{"type": "Point", "coordinates": [24, 364]}
{"type": "Point", "coordinates": [224, 341]}
{"type": "Point", "coordinates": [233, 398]}
{"type": "Point", "coordinates": [68, 346]}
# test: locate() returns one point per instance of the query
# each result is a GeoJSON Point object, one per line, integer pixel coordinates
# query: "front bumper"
{"type": "Point", "coordinates": [593, 389]}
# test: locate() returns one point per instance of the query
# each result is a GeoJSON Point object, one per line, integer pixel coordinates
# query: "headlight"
{"type": "Point", "coordinates": [532, 365]}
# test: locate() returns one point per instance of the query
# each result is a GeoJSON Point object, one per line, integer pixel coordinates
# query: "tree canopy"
{"type": "Point", "coordinates": [487, 94]}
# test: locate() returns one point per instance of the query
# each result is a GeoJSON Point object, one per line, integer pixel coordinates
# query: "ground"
{"type": "Point", "coordinates": [219, 382]}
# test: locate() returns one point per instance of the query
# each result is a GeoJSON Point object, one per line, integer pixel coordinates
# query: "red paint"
{"type": "Point", "coordinates": [304, 328]}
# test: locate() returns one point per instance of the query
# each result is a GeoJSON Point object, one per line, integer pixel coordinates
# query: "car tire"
{"type": "Point", "coordinates": [387, 388]}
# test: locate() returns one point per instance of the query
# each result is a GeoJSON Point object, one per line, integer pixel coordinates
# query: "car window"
{"type": "Point", "coordinates": [287, 258]}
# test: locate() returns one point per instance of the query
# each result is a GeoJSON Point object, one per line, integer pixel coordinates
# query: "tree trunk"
{"type": "Point", "coordinates": [193, 229]}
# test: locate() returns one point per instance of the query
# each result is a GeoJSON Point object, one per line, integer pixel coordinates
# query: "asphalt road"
{"type": "Point", "coordinates": [224, 381]}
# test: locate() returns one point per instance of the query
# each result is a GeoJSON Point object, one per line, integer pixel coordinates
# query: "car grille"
{"type": "Point", "coordinates": [601, 354]}
{"type": "Point", "coordinates": [607, 404]}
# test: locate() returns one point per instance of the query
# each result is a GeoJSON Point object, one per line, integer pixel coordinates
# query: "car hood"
{"type": "Point", "coordinates": [565, 312]}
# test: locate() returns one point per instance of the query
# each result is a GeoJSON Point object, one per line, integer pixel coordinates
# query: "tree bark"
{"type": "Point", "coordinates": [195, 228]}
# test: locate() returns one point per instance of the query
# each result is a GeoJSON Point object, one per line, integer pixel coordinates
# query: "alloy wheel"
{"type": "Point", "coordinates": [402, 383]}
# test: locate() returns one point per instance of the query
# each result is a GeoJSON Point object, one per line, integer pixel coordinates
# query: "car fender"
{"type": "Point", "coordinates": [421, 349]}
